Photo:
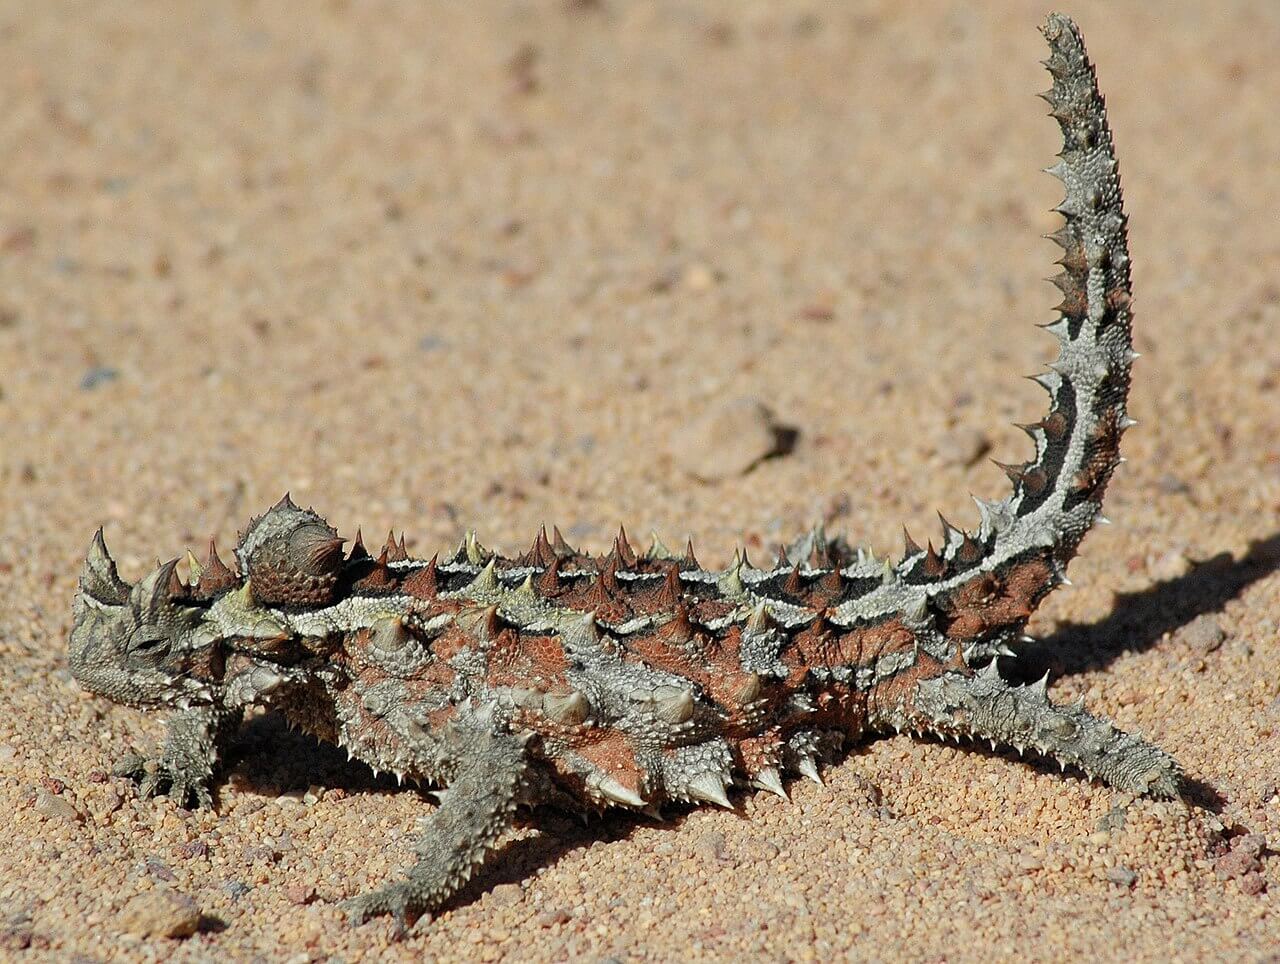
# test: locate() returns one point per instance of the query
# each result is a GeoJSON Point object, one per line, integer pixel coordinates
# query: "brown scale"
{"type": "Point", "coordinates": [1104, 442]}
{"type": "Point", "coordinates": [611, 752]}
{"type": "Point", "coordinates": [377, 579]}
{"type": "Point", "coordinates": [423, 583]}
{"type": "Point", "coordinates": [900, 688]}
{"type": "Point", "coordinates": [727, 682]}
{"type": "Point", "coordinates": [601, 594]}
{"type": "Point", "coordinates": [824, 592]}
{"type": "Point", "coordinates": [672, 649]}
{"type": "Point", "coordinates": [656, 597]}
{"type": "Point", "coordinates": [524, 661]}
{"type": "Point", "coordinates": [755, 753]}
{"type": "Point", "coordinates": [992, 601]}
{"type": "Point", "coordinates": [214, 576]}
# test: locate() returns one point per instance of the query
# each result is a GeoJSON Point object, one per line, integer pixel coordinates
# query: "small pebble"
{"type": "Point", "coordinates": [96, 376]}
{"type": "Point", "coordinates": [192, 849]}
{"type": "Point", "coordinates": [160, 870]}
{"type": "Point", "coordinates": [160, 913]}
{"type": "Point", "coordinates": [1252, 844]}
{"type": "Point", "coordinates": [507, 895]}
{"type": "Point", "coordinates": [300, 894]}
{"type": "Point", "coordinates": [1203, 634]}
{"type": "Point", "coordinates": [711, 847]}
{"type": "Point", "coordinates": [1122, 876]}
{"type": "Point", "coordinates": [1236, 864]}
{"type": "Point", "coordinates": [728, 438]}
{"type": "Point", "coordinates": [54, 807]}
{"type": "Point", "coordinates": [963, 447]}
{"type": "Point", "coordinates": [1252, 883]}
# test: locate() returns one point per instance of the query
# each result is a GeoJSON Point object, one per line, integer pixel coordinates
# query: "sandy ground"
{"type": "Point", "coordinates": [432, 268]}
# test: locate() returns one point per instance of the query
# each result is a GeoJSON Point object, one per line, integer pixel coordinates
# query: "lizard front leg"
{"type": "Point", "coordinates": [984, 706]}
{"type": "Point", "coordinates": [186, 763]}
{"type": "Point", "coordinates": [486, 782]}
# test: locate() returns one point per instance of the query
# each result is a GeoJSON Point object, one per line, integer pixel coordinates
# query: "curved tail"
{"type": "Point", "coordinates": [1057, 495]}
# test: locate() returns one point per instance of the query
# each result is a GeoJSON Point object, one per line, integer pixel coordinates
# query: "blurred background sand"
{"type": "Point", "coordinates": [439, 265]}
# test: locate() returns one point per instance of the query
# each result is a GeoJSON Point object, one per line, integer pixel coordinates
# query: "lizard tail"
{"type": "Point", "coordinates": [1057, 495]}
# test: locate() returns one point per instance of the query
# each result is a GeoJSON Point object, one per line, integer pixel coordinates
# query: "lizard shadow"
{"type": "Point", "coordinates": [1138, 620]}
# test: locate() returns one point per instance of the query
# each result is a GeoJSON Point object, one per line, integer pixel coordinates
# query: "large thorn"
{"type": "Point", "coordinates": [770, 779]}
{"type": "Point", "coordinates": [570, 708]}
{"type": "Point", "coordinates": [673, 704]}
{"type": "Point", "coordinates": [612, 790]}
{"type": "Point", "coordinates": [710, 788]}
{"type": "Point", "coordinates": [806, 767]}
{"type": "Point", "coordinates": [99, 578]}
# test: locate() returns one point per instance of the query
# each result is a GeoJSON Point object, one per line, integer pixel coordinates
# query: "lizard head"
{"type": "Point", "coordinates": [220, 640]}
{"type": "Point", "coordinates": [143, 645]}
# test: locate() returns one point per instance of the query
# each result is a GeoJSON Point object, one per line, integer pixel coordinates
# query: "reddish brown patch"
{"type": "Point", "coordinates": [709, 610]}
{"type": "Point", "coordinates": [1055, 425]}
{"type": "Point", "coordinates": [1104, 443]}
{"type": "Point", "coordinates": [991, 601]}
{"type": "Point", "coordinates": [422, 583]}
{"type": "Point", "coordinates": [900, 688]}
{"type": "Point", "coordinates": [612, 753]}
{"type": "Point", "coordinates": [755, 753]}
{"type": "Point", "coordinates": [656, 651]}
{"type": "Point", "coordinates": [378, 579]}
{"type": "Point", "coordinates": [821, 645]}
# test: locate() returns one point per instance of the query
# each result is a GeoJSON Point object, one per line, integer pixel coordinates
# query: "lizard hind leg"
{"type": "Point", "coordinates": [488, 778]}
{"type": "Point", "coordinates": [986, 707]}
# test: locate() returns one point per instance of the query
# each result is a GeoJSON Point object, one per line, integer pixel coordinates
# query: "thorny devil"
{"type": "Point", "coordinates": [631, 679]}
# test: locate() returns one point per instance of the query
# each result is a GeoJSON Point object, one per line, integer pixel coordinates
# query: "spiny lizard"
{"type": "Point", "coordinates": [633, 679]}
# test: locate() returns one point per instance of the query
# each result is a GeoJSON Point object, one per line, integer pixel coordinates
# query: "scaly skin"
{"type": "Point", "coordinates": [632, 679]}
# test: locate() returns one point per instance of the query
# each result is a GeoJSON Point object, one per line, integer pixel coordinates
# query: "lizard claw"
{"type": "Point", "coordinates": [155, 776]}
{"type": "Point", "coordinates": [393, 901]}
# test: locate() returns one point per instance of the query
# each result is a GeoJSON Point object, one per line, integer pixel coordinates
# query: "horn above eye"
{"type": "Point", "coordinates": [99, 578]}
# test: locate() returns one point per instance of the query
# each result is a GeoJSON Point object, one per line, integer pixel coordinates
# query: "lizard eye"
{"type": "Point", "coordinates": [149, 644]}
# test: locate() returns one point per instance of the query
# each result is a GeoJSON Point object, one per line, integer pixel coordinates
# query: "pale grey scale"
{"type": "Point", "coordinates": [470, 667]}
{"type": "Point", "coordinates": [893, 664]}
{"type": "Point", "coordinates": [637, 624]}
{"type": "Point", "coordinates": [681, 768]}
{"type": "Point", "coordinates": [628, 575]}
{"type": "Point", "coordinates": [870, 568]}
{"type": "Point", "coordinates": [458, 568]}
{"type": "Point", "coordinates": [621, 693]}
{"type": "Point", "coordinates": [349, 615]}
{"type": "Point", "coordinates": [761, 653]}
{"type": "Point", "coordinates": [403, 660]}
{"type": "Point", "coordinates": [895, 598]}
{"type": "Point", "coordinates": [840, 673]}
{"type": "Point", "coordinates": [700, 576]}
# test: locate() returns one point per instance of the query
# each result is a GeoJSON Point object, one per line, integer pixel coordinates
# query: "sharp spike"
{"type": "Point", "coordinates": [656, 548]}
{"type": "Point", "coordinates": [615, 792]}
{"type": "Point", "coordinates": [622, 547]}
{"type": "Point", "coordinates": [709, 787]}
{"type": "Point", "coordinates": [806, 767]}
{"type": "Point", "coordinates": [358, 551]}
{"type": "Point", "coordinates": [689, 561]}
{"type": "Point", "coordinates": [674, 706]}
{"type": "Point", "coordinates": [770, 779]}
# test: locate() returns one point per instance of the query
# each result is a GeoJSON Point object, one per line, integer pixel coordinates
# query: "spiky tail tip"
{"type": "Point", "coordinates": [1058, 494]}
{"type": "Point", "coordinates": [985, 707]}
